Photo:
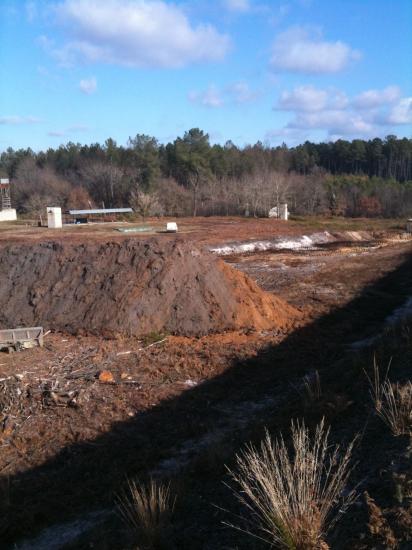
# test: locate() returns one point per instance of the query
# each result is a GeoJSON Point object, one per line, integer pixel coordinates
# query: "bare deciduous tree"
{"type": "Point", "coordinates": [104, 183]}
{"type": "Point", "coordinates": [145, 204]}
{"type": "Point", "coordinates": [35, 188]}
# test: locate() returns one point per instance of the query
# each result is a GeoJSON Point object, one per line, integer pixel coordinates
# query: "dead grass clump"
{"type": "Point", "coordinates": [147, 510]}
{"type": "Point", "coordinates": [294, 498]}
{"type": "Point", "coordinates": [312, 387]}
{"type": "Point", "coordinates": [393, 403]}
{"type": "Point", "coordinates": [378, 526]}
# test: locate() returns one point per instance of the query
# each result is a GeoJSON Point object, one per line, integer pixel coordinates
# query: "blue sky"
{"type": "Point", "coordinates": [245, 70]}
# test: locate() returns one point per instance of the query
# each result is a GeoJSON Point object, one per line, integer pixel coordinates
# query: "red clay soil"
{"type": "Point", "coordinates": [132, 288]}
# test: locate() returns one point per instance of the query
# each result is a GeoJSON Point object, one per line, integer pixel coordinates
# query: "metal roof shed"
{"type": "Point", "coordinates": [96, 214]}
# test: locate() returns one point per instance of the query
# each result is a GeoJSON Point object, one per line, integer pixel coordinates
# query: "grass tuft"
{"type": "Point", "coordinates": [294, 499]}
{"type": "Point", "coordinates": [393, 402]}
{"type": "Point", "coordinates": [147, 510]}
{"type": "Point", "coordinates": [312, 387]}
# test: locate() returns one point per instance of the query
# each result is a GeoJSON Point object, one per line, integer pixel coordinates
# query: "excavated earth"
{"type": "Point", "coordinates": [132, 288]}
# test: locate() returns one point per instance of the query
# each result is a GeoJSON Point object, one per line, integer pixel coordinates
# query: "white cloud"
{"type": "Point", "coordinates": [74, 129]}
{"type": "Point", "coordinates": [401, 113]}
{"type": "Point", "coordinates": [242, 93]}
{"type": "Point", "coordinates": [330, 110]}
{"type": "Point", "coordinates": [17, 119]}
{"type": "Point", "coordinates": [277, 13]}
{"type": "Point", "coordinates": [31, 11]}
{"type": "Point", "coordinates": [309, 98]}
{"type": "Point", "coordinates": [44, 42]}
{"type": "Point", "coordinates": [88, 85]}
{"type": "Point", "coordinates": [241, 6]}
{"type": "Point", "coordinates": [376, 98]}
{"type": "Point", "coordinates": [238, 92]}
{"type": "Point", "coordinates": [135, 33]}
{"type": "Point", "coordinates": [56, 134]}
{"type": "Point", "coordinates": [209, 98]}
{"type": "Point", "coordinates": [303, 51]}
{"type": "Point", "coordinates": [336, 122]}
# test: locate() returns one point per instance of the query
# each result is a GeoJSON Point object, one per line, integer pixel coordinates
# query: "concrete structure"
{"type": "Point", "coordinates": [54, 217]}
{"type": "Point", "coordinates": [409, 226]}
{"type": "Point", "coordinates": [281, 213]}
{"type": "Point", "coordinates": [5, 200]}
{"type": "Point", "coordinates": [171, 227]}
{"type": "Point", "coordinates": [7, 213]}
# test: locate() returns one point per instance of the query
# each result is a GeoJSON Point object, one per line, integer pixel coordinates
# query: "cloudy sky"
{"type": "Point", "coordinates": [245, 70]}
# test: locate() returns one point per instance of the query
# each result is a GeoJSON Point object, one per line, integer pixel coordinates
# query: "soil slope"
{"type": "Point", "coordinates": [131, 287]}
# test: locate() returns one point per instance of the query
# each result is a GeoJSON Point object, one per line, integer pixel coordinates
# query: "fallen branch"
{"type": "Point", "coordinates": [154, 344]}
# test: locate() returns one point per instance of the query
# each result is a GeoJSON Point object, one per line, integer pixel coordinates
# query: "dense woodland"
{"type": "Point", "coordinates": [192, 177]}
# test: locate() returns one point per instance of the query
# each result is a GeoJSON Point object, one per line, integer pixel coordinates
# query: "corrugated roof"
{"type": "Point", "coordinates": [101, 211]}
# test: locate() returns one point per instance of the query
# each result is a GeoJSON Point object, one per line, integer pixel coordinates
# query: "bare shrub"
{"type": "Point", "coordinates": [145, 204]}
{"type": "Point", "coordinates": [393, 402]}
{"type": "Point", "coordinates": [147, 510]}
{"type": "Point", "coordinates": [294, 498]}
{"type": "Point", "coordinates": [175, 199]}
{"type": "Point", "coordinates": [35, 188]}
{"type": "Point", "coordinates": [79, 198]}
{"type": "Point", "coordinates": [104, 182]}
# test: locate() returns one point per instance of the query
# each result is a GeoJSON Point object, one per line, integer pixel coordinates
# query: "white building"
{"type": "Point", "coordinates": [54, 217]}
{"type": "Point", "coordinates": [281, 213]}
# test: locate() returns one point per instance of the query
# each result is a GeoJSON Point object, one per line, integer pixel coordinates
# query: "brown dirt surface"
{"type": "Point", "coordinates": [201, 230]}
{"type": "Point", "coordinates": [131, 287]}
{"type": "Point", "coordinates": [180, 408]}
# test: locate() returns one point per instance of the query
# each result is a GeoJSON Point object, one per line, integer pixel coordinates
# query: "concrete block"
{"type": "Point", "coordinates": [171, 227]}
{"type": "Point", "coordinates": [54, 217]}
{"type": "Point", "coordinates": [8, 215]}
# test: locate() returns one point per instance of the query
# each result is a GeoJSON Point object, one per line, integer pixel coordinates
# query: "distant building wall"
{"type": "Point", "coordinates": [281, 213]}
{"type": "Point", "coordinates": [54, 217]}
{"type": "Point", "coordinates": [8, 215]}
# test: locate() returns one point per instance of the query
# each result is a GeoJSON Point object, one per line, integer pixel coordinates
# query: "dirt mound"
{"type": "Point", "coordinates": [131, 287]}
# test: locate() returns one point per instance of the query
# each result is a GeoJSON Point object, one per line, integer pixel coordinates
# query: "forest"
{"type": "Point", "coordinates": [190, 176]}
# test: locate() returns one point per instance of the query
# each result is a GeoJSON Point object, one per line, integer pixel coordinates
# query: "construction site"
{"type": "Point", "coordinates": [159, 355]}
{"type": "Point", "coordinates": [206, 275]}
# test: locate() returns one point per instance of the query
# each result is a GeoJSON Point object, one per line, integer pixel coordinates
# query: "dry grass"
{"type": "Point", "coordinates": [312, 387]}
{"type": "Point", "coordinates": [147, 510]}
{"type": "Point", "coordinates": [293, 499]}
{"type": "Point", "coordinates": [393, 402]}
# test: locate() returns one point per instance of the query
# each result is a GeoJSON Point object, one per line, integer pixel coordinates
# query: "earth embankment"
{"type": "Point", "coordinates": [131, 287]}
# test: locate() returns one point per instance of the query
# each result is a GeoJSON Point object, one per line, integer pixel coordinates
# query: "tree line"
{"type": "Point", "coordinates": [189, 176]}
